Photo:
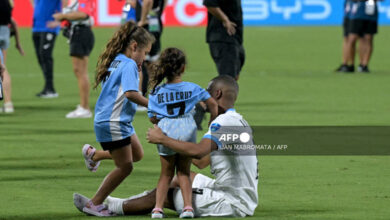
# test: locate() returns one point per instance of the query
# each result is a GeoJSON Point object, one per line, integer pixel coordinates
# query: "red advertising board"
{"type": "Point", "coordinates": [108, 12]}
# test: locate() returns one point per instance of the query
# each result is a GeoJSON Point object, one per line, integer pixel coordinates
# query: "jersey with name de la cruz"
{"type": "Point", "coordinates": [175, 99]}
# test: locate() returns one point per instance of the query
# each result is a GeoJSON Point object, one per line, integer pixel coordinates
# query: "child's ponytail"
{"type": "Point", "coordinates": [118, 44]}
{"type": "Point", "coordinates": [169, 65]}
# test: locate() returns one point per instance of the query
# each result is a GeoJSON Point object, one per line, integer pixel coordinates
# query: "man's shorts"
{"type": "Point", "coordinates": [363, 27]}
{"type": "Point", "coordinates": [207, 201]}
{"type": "Point", "coordinates": [346, 24]}
{"type": "Point", "coordinates": [4, 37]}
{"type": "Point", "coordinates": [82, 41]}
{"type": "Point", "coordinates": [182, 128]}
{"type": "Point", "coordinates": [228, 57]}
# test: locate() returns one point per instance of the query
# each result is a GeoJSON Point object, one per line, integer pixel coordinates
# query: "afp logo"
{"type": "Point", "coordinates": [244, 137]}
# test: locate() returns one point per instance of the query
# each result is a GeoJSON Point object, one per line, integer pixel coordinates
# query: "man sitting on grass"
{"type": "Point", "coordinates": [232, 193]}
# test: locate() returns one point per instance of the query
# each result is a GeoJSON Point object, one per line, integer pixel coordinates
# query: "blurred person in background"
{"type": "Point", "coordinates": [348, 60]}
{"type": "Point", "coordinates": [44, 39]}
{"type": "Point", "coordinates": [79, 15]}
{"type": "Point", "coordinates": [8, 28]}
{"type": "Point", "coordinates": [148, 15]}
{"type": "Point", "coordinates": [128, 11]}
{"type": "Point", "coordinates": [224, 35]}
{"type": "Point", "coordinates": [363, 26]}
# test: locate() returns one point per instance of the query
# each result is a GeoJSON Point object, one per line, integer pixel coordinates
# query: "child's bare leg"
{"type": "Point", "coordinates": [167, 173]}
{"type": "Point", "coordinates": [124, 165]}
{"type": "Point", "coordinates": [136, 147]}
{"type": "Point", "coordinates": [183, 175]}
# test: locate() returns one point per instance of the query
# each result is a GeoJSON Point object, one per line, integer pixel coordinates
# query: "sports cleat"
{"type": "Point", "coordinates": [188, 212]}
{"type": "Point", "coordinates": [157, 213]}
{"type": "Point", "coordinates": [363, 69]}
{"type": "Point", "coordinates": [46, 94]}
{"type": "Point", "coordinates": [80, 201]}
{"type": "Point", "coordinates": [346, 68]}
{"type": "Point", "coordinates": [97, 210]}
{"type": "Point", "coordinates": [80, 112]}
{"type": "Point", "coordinates": [89, 163]}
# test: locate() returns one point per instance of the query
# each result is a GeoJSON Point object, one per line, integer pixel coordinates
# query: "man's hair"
{"type": "Point", "coordinates": [227, 83]}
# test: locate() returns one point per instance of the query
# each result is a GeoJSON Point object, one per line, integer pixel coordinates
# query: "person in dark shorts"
{"type": "Point", "coordinates": [148, 15]}
{"type": "Point", "coordinates": [348, 60]}
{"type": "Point", "coordinates": [8, 28]}
{"type": "Point", "coordinates": [44, 39]}
{"type": "Point", "coordinates": [363, 26]}
{"type": "Point", "coordinates": [79, 15]}
{"type": "Point", "coordinates": [224, 35]}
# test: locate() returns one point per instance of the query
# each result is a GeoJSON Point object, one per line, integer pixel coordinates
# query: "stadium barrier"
{"type": "Point", "coordinates": [256, 12]}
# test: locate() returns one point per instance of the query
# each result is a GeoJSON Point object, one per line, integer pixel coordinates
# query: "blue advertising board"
{"type": "Point", "coordinates": [301, 12]}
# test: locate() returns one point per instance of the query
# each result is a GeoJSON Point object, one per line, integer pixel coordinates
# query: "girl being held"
{"type": "Point", "coordinates": [170, 106]}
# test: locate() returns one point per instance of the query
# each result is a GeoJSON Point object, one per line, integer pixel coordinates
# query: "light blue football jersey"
{"type": "Point", "coordinates": [113, 111]}
{"type": "Point", "coordinates": [175, 99]}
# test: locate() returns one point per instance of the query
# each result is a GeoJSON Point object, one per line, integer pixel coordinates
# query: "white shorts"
{"type": "Point", "coordinates": [207, 201]}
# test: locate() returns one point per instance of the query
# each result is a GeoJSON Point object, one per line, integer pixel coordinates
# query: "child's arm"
{"type": "Point", "coordinates": [137, 98]}
{"type": "Point", "coordinates": [14, 28]}
{"type": "Point", "coordinates": [154, 120]}
{"type": "Point", "coordinates": [212, 106]}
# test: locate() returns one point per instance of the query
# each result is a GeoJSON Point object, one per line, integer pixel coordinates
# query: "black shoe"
{"type": "Point", "coordinates": [199, 116]}
{"type": "Point", "coordinates": [47, 94]}
{"type": "Point", "coordinates": [363, 69]}
{"type": "Point", "coordinates": [346, 69]}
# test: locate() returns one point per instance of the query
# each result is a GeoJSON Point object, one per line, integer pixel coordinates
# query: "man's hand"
{"type": "Point", "coordinates": [155, 135]}
{"type": "Point", "coordinates": [19, 48]}
{"type": "Point", "coordinates": [230, 27]}
{"type": "Point", "coordinates": [53, 24]}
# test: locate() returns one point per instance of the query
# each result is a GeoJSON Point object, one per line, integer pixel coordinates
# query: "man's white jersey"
{"type": "Point", "coordinates": [236, 175]}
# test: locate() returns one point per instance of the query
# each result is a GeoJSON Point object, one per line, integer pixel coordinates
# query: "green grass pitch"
{"type": "Point", "coordinates": [288, 79]}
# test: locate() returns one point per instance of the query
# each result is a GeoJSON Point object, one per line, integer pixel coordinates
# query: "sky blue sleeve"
{"type": "Point", "coordinates": [201, 93]}
{"type": "Point", "coordinates": [130, 78]}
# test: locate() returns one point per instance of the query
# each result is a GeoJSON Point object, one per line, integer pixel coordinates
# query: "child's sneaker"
{"type": "Point", "coordinates": [89, 163]}
{"type": "Point", "coordinates": [97, 210]}
{"type": "Point", "coordinates": [188, 212]}
{"type": "Point", "coordinates": [157, 213]}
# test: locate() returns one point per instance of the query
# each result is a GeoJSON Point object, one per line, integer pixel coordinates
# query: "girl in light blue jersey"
{"type": "Point", "coordinates": [117, 71]}
{"type": "Point", "coordinates": [170, 106]}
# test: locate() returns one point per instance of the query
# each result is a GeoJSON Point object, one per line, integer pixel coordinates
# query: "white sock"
{"type": "Point", "coordinates": [115, 205]}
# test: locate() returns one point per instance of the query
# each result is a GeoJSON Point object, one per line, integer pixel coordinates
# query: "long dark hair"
{"type": "Point", "coordinates": [168, 66]}
{"type": "Point", "coordinates": [117, 44]}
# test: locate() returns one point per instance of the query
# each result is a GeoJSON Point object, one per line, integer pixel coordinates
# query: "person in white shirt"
{"type": "Point", "coordinates": [233, 192]}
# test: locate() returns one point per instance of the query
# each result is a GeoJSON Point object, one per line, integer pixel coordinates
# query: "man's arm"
{"type": "Point", "coordinates": [197, 151]}
{"type": "Point", "coordinates": [14, 27]}
{"type": "Point", "coordinates": [71, 16]}
{"type": "Point", "coordinates": [202, 163]}
{"type": "Point", "coordinates": [146, 7]}
{"type": "Point", "coordinates": [220, 15]}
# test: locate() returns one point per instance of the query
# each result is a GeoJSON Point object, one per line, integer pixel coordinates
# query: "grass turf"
{"type": "Point", "coordinates": [288, 79]}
